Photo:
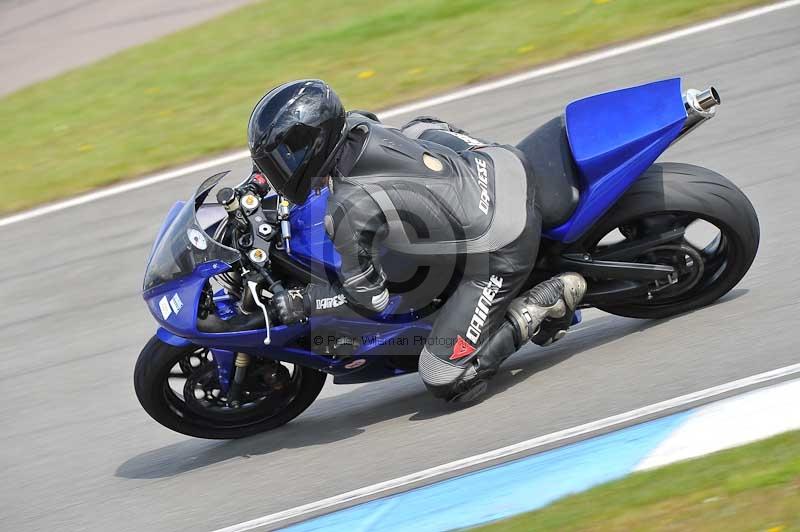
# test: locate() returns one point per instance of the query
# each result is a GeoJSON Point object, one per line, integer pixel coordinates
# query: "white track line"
{"type": "Point", "coordinates": [528, 445]}
{"type": "Point", "coordinates": [416, 106]}
{"type": "Point", "coordinates": [125, 187]}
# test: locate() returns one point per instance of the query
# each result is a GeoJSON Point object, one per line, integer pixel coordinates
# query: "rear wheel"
{"type": "Point", "coordinates": [718, 245]}
{"type": "Point", "coordinates": [179, 388]}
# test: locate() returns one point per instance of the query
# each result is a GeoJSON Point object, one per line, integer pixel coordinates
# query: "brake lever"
{"type": "Point", "coordinates": [254, 291]}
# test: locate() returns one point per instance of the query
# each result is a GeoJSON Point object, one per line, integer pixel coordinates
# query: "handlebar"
{"type": "Point", "coordinates": [241, 203]}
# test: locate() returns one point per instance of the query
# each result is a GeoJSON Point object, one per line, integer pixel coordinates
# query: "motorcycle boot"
{"type": "Point", "coordinates": [544, 313]}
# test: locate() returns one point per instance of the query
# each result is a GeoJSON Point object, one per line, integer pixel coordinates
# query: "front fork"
{"type": "Point", "coordinates": [240, 363]}
{"type": "Point", "coordinates": [232, 371]}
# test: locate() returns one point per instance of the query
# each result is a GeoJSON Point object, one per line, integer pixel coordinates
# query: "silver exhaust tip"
{"type": "Point", "coordinates": [700, 106]}
{"type": "Point", "coordinates": [708, 98]}
{"type": "Point", "coordinates": [702, 102]}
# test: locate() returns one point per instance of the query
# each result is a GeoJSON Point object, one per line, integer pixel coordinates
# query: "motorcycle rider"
{"type": "Point", "coordinates": [426, 190]}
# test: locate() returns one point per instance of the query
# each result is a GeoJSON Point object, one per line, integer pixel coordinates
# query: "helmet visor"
{"type": "Point", "coordinates": [290, 165]}
{"type": "Point", "coordinates": [294, 165]}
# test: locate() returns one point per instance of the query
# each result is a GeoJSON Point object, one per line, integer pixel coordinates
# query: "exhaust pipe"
{"type": "Point", "coordinates": [700, 106]}
{"type": "Point", "coordinates": [702, 101]}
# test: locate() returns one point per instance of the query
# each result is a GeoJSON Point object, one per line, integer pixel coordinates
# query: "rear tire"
{"type": "Point", "coordinates": [156, 365]}
{"type": "Point", "coordinates": [686, 190]}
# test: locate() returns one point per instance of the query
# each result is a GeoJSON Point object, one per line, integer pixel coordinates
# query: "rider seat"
{"type": "Point", "coordinates": [555, 174]}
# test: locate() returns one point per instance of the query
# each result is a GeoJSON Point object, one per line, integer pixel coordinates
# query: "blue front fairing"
{"type": "Point", "coordinates": [614, 138]}
{"type": "Point", "coordinates": [175, 305]}
{"type": "Point", "coordinates": [186, 258]}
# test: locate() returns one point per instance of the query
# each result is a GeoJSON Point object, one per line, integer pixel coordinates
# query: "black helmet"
{"type": "Point", "coordinates": [294, 133]}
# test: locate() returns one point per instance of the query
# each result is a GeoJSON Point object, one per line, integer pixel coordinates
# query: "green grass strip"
{"type": "Point", "coordinates": [189, 94]}
{"type": "Point", "coordinates": [755, 487]}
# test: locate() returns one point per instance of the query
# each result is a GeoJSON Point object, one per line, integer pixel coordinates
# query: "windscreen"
{"type": "Point", "coordinates": [185, 244]}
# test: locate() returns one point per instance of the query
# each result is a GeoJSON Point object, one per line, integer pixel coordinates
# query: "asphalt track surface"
{"type": "Point", "coordinates": [42, 38]}
{"type": "Point", "coordinates": [78, 453]}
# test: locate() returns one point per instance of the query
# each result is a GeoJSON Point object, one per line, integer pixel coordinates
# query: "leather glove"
{"type": "Point", "coordinates": [290, 306]}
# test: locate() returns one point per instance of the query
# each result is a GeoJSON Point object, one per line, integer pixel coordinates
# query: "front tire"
{"type": "Point", "coordinates": [677, 193]}
{"type": "Point", "coordinates": [177, 407]}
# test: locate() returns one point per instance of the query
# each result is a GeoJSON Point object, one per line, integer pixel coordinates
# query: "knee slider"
{"type": "Point", "coordinates": [440, 376]}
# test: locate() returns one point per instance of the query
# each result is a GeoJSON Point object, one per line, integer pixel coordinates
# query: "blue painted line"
{"type": "Point", "coordinates": [506, 489]}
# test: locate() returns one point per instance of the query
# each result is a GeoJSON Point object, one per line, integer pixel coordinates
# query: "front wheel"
{"type": "Point", "coordinates": [719, 240]}
{"type": "Point", "coordinates": [178, 387]}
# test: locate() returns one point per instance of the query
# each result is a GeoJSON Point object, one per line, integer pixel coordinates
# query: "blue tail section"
{"type": "Point", "coordinates": [614, 137]}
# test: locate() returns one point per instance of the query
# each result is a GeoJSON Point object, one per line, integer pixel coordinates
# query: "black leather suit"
{"type": "Point", "coordinates": [461, 206]}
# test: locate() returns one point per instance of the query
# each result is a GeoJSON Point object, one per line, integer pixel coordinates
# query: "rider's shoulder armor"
{"type": "Point", "coordinates": [435, 200]}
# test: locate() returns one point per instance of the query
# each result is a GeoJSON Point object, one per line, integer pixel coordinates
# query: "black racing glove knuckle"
{"type": "Point", "coordinates": [290, 306]}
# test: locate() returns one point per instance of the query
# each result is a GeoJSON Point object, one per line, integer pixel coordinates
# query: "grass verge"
{"type": "Point", "coordinates": [755, 487]}
{"type": "Point", "coordinates": [189, 94]}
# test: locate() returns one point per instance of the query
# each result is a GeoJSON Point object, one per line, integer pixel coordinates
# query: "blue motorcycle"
{"type": "Point", "coordinates": [652, 240]}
